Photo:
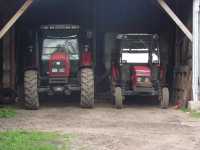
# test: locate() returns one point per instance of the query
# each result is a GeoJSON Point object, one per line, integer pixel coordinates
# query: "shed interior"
{"type": "Point", "coordinates": [101, 17]}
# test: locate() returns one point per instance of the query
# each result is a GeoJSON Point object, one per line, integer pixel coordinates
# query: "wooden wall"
{"type": "Point", "coordinates": [9, 69]}
{"type": "Point", "coordinates": [183, 56]}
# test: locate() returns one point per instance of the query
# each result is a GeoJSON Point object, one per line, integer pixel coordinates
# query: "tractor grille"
{"type": "Point", "coordinates": [144, 82]}
{"type": "Point", "coordinates": [58, 80]}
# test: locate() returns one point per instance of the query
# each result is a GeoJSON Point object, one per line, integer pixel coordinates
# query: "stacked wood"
{"type": "Point", "coordinates": [183, 85]}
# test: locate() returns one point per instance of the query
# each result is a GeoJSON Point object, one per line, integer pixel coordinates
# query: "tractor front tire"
{"type": "Point", "coordinates": [87, 88]}
{"type": "Point", "coordinates": [31, 96]}
{"type": "Point", "coordinates": [164, 98]}
{"type": "Point", "coordinates": [118, 98]}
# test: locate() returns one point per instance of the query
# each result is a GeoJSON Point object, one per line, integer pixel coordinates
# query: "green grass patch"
{"type": "Point", "coordinates": [22, 140]}
{"type": "Point", "coordinates": [7, 112]}
{"type": "Point", "coordinates": [193, 114]}
{"type": "Point", "coordinates": [184, 109]}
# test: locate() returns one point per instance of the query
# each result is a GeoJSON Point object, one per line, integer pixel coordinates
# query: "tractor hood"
{"type": "Point", "coordinates": [59, 56]}
{"type": "Point", "coordinates": [142, 71]}
{"type": "Point", "coordinates": [59, 65]}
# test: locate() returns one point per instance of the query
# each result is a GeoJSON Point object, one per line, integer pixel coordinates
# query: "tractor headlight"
{"type": "Point", "coordinates": [139, 79]}
{"type": "Point", "coordinates": [58, 63]}
{"type": "Point", "coordinates": [62, 70]}
{"type": "Point", "coordinates": [147, 80]}
{"type": "Point", "coordinates": [58, 66]}
{"type": "Point", "coordinates": [54, 70]}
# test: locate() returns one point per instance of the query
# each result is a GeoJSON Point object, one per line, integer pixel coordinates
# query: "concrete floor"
{"type": "Point", "coordinates": [141, 127]}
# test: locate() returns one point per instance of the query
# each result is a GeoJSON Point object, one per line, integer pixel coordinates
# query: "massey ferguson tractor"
{"type": "Point", "coordinates": [136, 69]}
{"type": "Point", "coordinates": [62, 65]}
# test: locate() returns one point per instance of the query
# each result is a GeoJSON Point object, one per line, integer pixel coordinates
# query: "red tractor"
{"type": "Point", "coordinates": [136, 69]}
{"type": "Point", "coordinates": [63, 66]}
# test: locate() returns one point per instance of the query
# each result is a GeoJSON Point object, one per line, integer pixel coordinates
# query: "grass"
{"type": "Point", "coordinates": [7, 112]}
{"type": "Point", "coordinates": [193, 114]}
{"type": "Point", "coordinates": [22, 140]}
{"type": "Point", "coordinates": [184, 109]}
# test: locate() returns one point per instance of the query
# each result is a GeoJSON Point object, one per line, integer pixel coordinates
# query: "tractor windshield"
{"type": "Point", "coordinates": [138, 51]}
{"type": "Point", "coordinates": [69, 46]}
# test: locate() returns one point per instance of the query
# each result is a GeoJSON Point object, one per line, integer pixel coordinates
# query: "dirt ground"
{"type": "Point", "coordinates": [141, 127]}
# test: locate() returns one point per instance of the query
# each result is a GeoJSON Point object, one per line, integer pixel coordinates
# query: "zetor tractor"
{"type": "Point", "coordinates": [136, 69]}
{"type": "Point", "coordinates": [64, 65]}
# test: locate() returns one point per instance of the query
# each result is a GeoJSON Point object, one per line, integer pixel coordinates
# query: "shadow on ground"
{"type": "Point", "coordinates": [60, 101]}
{"type": "Point", "coordinates": [74, 101]}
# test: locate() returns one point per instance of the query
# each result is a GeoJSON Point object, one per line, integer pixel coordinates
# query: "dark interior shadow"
{"type": "Point", "coordinates": [60, 101]}
{"type": "Point", "coordinates": [74, 101]}
{"type": "Point", "coordinates": [146, 101]}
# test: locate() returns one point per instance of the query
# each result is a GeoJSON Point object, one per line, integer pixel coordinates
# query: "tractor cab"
{"type": "Point", "coordinates": [136, 65]}
{"type": "Point", "coordinates": [58, 54]}
{"type": "Point", "coordinates": [60, 62]}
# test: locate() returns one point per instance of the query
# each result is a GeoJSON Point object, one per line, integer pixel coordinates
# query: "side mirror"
{"type": "Point", "coordinates": [155, 37]}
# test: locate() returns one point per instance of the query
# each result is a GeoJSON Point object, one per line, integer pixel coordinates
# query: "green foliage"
{"type": "Point", "coordinates": [193, 114]}
{"type": "Point", "coordinates": [22, 140]}
{"type": "Point", "coordinates": [184, 109]}
{"type": "Point", "coordinates": [7, 112]}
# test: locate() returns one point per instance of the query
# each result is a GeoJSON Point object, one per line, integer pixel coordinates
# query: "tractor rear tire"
{"type": "Point", "coordinates": [31, 96]}
{"type": "Point", "coordinates": [118, 98]}
{"type": "Point", "coordinates": [87, 88]}
{"type": "Point", "coordinates": [164, 98]}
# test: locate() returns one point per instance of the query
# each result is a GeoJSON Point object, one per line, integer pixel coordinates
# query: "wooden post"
{"type": "Point", "coordinates": [173, 16]}
{"type": "Point", "coordinates": [196, 47]}
{"type": "Point", "coordinates": [18, 14]}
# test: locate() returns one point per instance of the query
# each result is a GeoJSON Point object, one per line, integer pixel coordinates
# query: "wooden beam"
{"type": "Point", "coordinates": [12, 21]}
{"type": "Point", "coordinates": [173, 16]}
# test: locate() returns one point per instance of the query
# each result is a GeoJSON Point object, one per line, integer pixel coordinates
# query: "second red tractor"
{"type": "Point", "coordinates": [136, 69]}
